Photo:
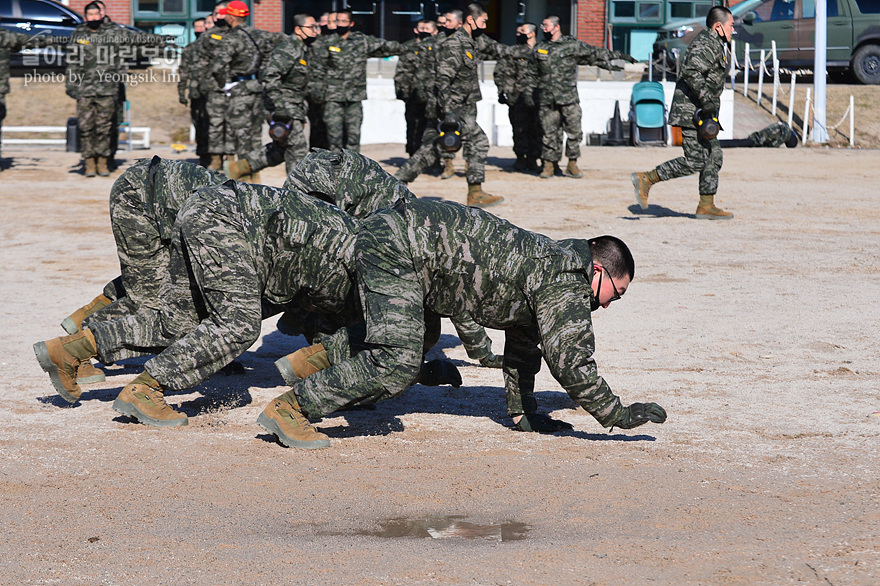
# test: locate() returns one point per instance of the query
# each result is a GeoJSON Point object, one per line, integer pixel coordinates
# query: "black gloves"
{"type": "Point", "coordinates": [439, 372]}
{"type": "Point", "coordinates": [709, 111]}
{"type": "Point", "coordinates": [540, 423]}
{"type": "Point", "coordinates": [640, 413]}
{"type": "Point", "coordinates": [502, 98]}
{"type": "Point", "coordinates": [182, 99]}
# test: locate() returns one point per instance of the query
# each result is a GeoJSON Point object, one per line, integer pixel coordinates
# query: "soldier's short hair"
{"type": "Point", "coordinates": [614, 255]}
{"type": "Point", "coordinates": [348, 12]}
{"type": "Point", "coordinates": [553, 18]}
{"type": "Point", "coordinates": [717, 14]}
{"type": "Point", "coordinates": [533, 28]}
{"type": "Point", "coordinates": [475, 9]}
{"type": "Point", "coordinates": [92, 6]}
{"type": "Point", "coordinates": [456, 14]}
{"type": "Point", "coordinates": [198, 20]}
{"type": "Point", "coordinates": [431, 24]}
{"type": "Point", "coordinates": [221, 4]}
{"type": "Point", "coordinates": [300, 19]}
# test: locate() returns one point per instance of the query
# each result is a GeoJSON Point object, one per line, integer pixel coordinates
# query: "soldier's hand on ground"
{"type": "Point", "coordinates": [502, 98]}
{"type": "Point", "coordinates": [541, 423]}
{"type": "Point", "coordinates": [492, 361]}
{"type": "Point", "coordinates": [439, 372]}
{"type": "Point", "coordinates": [640, 413]}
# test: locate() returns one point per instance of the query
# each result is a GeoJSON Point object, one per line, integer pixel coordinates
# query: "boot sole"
{"type": "Point", "coordinates": [132, 411]}
{"type": "Point", "coordinates": [87, 380]}
{"type": "Point", "coordinates": [69, 326]}
{"type": "Point", "coordinates": [635, 182]}
{"type": "Point", "coordinates": [712, 217]}
{"type": "Point", "coordinates": [486, 205]}
{"type": "Point", "coordinates": [51, 369]}
{"type": "Point", "coordinates": [271, 426]}
{"type": "Point", "coordinates": [283, 366]}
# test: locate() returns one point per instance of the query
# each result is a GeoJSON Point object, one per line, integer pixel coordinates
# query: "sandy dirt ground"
{"type": "Point", "coordinates": [759, 337]}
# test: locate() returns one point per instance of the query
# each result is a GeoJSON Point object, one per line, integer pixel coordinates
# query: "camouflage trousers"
{"type": "Point", "coordinates": [392, 298]}
{"type": "Point", "coordinates": [198, 112]}
{"type": "Point", "coordinates": [556, 119]}
{"type": "Point", "coordinates": [211, 309]}
{"type": "Point", "coordinates": [527, 131]}
{"type": "Point", "coordinates": [343, 121]}
{"type": "Point", "coordinates": [474, 144]}
{"type": "Point", "coordinates": [244, 122]}
{"type": "Point", "coordinates": [700, 156]}
{"type": "Point", "coordinates": [773, 136]}
{"type": "Point", "coordinates": [273, 153]}
{"type": "Point", "coordinates": [95, 116]}
{"type": "Point", "coordinates": [317, 128]}
{"type": "Point", "coordinates": [416, 122]}
{"type": "Point", "coordinates": [219, 139]}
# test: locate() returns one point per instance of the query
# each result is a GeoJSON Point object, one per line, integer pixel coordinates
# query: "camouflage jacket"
{"type": "Point", "coordinates": [536, 290]}
{"type": "Point", "coordinates": [242, 52]}
{"type": "Point", "coordinates": [345, 76]}
{"type": "Point", "coordinates": [185, 71]}
{"type": "Point", "coordinates": [285, 78]}
{"type": "Point", "coordinates": [702, 78]}
{"type": "Point", "coordinates": [163, 185]}
{"type": "Point", "coordinates": [318, 67]}
{"type": "Point", "coordinates": [96, 58]}
{"type": "Point", "coordinates": [302, 248]}
{"type": "Point", "coordinates": [11, 42]}
{"type": "Point", "coordinates": [557, 63]}
{"type": "Point", "coordinates": [405, 72]}
{"type": "Point", "coordinates": [516, 75]}
{"type": "Point", "coordinates": [205, 51]}
{"type": "Point", "coordinates": [458, 60]}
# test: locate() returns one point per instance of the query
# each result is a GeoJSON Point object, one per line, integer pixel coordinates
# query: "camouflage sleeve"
{"type": "Point", "coordinates": [317, 70]}
{"type": "Point", "coordinates": [694, 71]}
{"type": "Point", "coordinates": [404, 74]}
{"type": "Point", "coordinates": [522, 361]}
{"type": "Point", "coordinates": [504, 75]}
{"type": "Point", "coordinates": [566, 328]}
{"type": "Point", "coordinates": [473, 336]}
{"type": "Point", "coordinates": [377, 47]}
{"type": "Point", "coordinates": [183, 76]}
{"type": "Point", "coordinates": [273, 72]}
{"type": "Point", "coordinates": [75, 59]}
{"type": "Point", "coordinates": [592, 55]}
{"type": "Point", "coordinates": [492, 50]}
{"type": "Point", "coordinates": [13, 41]}
{"type": "Point", "coordinates": [222, 60]}
{"type": "Point", "coordinates": [450, 61]}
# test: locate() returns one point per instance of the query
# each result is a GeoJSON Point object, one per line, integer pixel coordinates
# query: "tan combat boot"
{"type": "Point", "coordinates": [73, 323]}
{"type": "Point", "coordinates": [88, 373]}
{"type": "Point", "coordinates": [90, 169]}
{"type": "Point", "coordinates": [237, 169]}
{"type": "Point", "coordinates": [448, 170]}
{"type": "Point", "coordinates": [61, 357]}
{"type": "Point", "coordinates": [478, 198]}
{"type": "Point", "coordinates": [255, 178]}
{"type": "Point", "coordinates": [216, 163]}
{"type": "Point", "coordinates": [707, 210]}
{"type": "Point", "coordinates": [103, 171]}
{"type": "Point", "coordinates": [143, 400]}
{"type": "Point", "coordinates": [283, 417]}
{"type": "Point", "coordinates": [572, 169]}
{"type": "Point", "coordinates": [642, 183]}
{"type": "Point", "coordinates": [303, 363]}
{"type": "Point", "coordinates": [549, 170]}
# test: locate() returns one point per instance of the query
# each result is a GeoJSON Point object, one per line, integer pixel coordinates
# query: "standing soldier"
{"type": "Point", "coordinates": [189, 93]}
{"type": "Point", "coordinates": [345, 80]}
{"type": "Point", "coordinates": [558, 101]}
{"type": "Point", "coordinates": [317, 71]}
{"type": "Point", "coordinates": [236, 69]}
{"type": "Point", "coordinates": [516, 80]}
{"type": "Point", "coordinates": [9, 42]}
{"type": "Point", "coordinates": [285, 78]}
{"type": "Point", "coordinates": [698, 90]}
{"type": "Point", "coordinates": [411, 85]}
{"type": "Point", "coordinates": [216, 101]}
{"type": "Point", "coordinates": [458, 91]}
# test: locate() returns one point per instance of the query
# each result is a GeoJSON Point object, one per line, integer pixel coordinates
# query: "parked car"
{"type": "Point", "coordinates": [853, 35]}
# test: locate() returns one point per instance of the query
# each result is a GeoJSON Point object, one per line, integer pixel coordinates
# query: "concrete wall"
{"type": "Point", "coordinates": [384, 123]}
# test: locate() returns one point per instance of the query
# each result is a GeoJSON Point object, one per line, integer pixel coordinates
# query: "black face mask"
{"type": "Point", "coordinates": [220, 23]}
{"type": "Point", "coordinates": [522, 39]}
{"type": "Point", "coordinates": [325, 30]}
{"type": "Point", "coordinates": [309, 40]}
{"type": "Point", "coordinates": [548, 36]}
{"type": "Point", "coordinates": [197, 34]}
{"type": "Point", "coordinates": [423, 34]}
{"type": "Point", "coordinates": [477, 33]}
{"type": "Point", "coordinates": [594, 303]}
{"type": "Point", "coordinates": [341, 30]}
{"type": "Point", "coordinates": [94, 24]}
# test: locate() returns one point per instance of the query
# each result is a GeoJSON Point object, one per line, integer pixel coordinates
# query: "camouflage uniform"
{"type": "Point", "coordinates": [702, 79]}
{"type": "Point", "coordinates": [94, 69]}
{"type": "Point", "coordinates": [359, 186]}
{"type": "Point", "coordinates": [207, 47]}
{"type": "Point", "coordinates": [144, 202]}
{"type": "Point", "coordinates": [449, 259]}
{"type": "Point", "coordinates": [189, 89]}
{"type": "Point", "coordinates": [457, 92]}
{"type": "Point", "coordinates": [242, 52]}
{"type": "Point", "coordinates": [233, 246]}
{"type": "Point", "coordinates": [9, 43]}
{"type": "Point", "coordinates": [515, 75]}
{"type": "Point", "coordinates": [409, 86]}
{"type": "Point", "coordinates": [317, 73]}
{"type": "Point", "coordinates": [345, 85]}
{"type": "Point", "coordinates": [285, 77]}
{"type": "Point", "coordinates": [773, 136]}
{"type": "Point", "coordinates": [558, 101]}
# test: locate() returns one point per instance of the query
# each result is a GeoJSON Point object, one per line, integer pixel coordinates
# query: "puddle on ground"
{"type": "Point", "coordinates": [450, 527]}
